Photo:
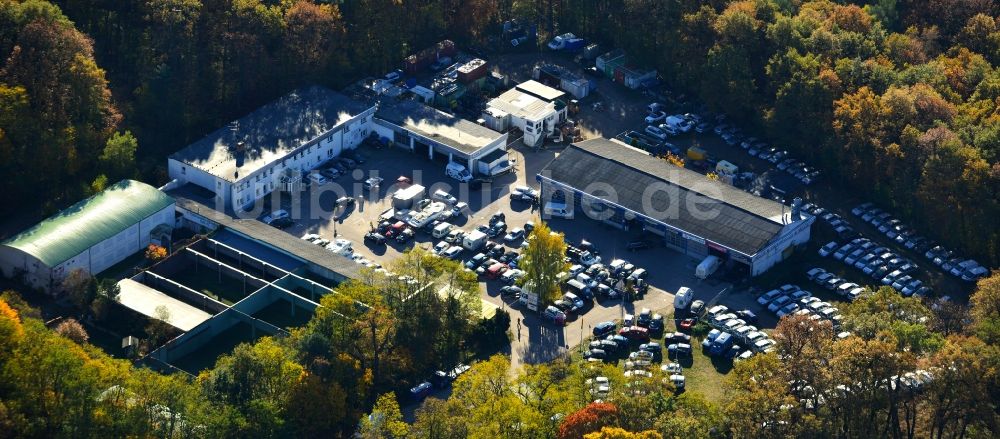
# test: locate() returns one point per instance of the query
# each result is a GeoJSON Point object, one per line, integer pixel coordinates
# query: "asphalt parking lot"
{"type": "Point", "coordinates": [535, 341]}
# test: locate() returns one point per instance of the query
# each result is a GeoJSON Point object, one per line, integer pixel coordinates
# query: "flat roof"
{"type": "Point", "coordinates": [270, 132]}
{"type": "Point", "coordinates": [73, 230]}
{"type": "Point", "coordinates": [540, 90]}
{"type": "Point", "coordinates": [687, 200]}
{"type": "Point", "coordinates": [146, 300]}
{"type": "Point", "coordinates": [521, 105]}
{"type": "Point", "coordinates": [187, 197]}
{"type": "Point", "coordinates": [464, 136]}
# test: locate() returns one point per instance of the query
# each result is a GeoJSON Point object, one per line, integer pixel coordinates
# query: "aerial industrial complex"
{"type": "Point", "coordinates": [227, 279]}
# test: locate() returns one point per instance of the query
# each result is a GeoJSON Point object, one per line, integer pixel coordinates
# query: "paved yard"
{"type": "Point", "coordinates": [539, 341]}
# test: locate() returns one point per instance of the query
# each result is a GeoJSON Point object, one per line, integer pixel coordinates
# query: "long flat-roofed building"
{"type": "Point", "coordinates": [695, 215]}
{"type": "Point", "coordinates": [243, 161]}
{"type": "Point", "coordinates": [439, 135]}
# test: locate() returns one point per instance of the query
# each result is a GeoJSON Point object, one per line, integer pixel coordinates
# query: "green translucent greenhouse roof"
{"type": "Point", "coordinates": [80, 226]}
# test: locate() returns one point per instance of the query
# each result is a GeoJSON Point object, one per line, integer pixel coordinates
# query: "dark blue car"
{"type": "Point", "coordinates": [604, 328]}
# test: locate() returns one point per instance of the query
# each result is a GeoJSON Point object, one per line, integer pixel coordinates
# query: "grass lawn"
{"type": "Point", "coordinates": [279, 314]}
{"type": "Point", "coordinates": [206, 281]}
{"type": "Point", "coordinates": [705, 375]}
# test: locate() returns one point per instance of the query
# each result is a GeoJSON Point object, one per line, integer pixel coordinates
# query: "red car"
{"type": "Point", "coordinates": [686, 324]}
{"type": "Point", "coordinates": [496, 270]}
{"type": "Point", "coordinates": [395, 229]}
{"type": "Point", "coordinates": [635, 333]}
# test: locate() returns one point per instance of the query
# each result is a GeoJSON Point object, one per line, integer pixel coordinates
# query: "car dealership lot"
{"type": "Point", "coordinates": [539, 340]}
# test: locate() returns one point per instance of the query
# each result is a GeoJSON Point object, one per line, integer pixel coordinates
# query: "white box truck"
{"type": "Point", "coordinates": [474, 240]}
{"type": "Point", "coordinates": [404, 198]}
{"type": "Point", "coordinates": [707, 267]}
{"type": "Point", "coordinates": [683, 298]}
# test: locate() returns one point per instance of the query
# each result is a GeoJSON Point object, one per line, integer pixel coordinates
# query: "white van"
{"type": "Point", "coordinates": [317, 179]}
{"type": "Point", "coordinates": [559, 210]}
{"type": "Point", "coordinates": [458, 172]}
{"type": "Point", "coordinates": [683, 298]}
{"type": "Point", "coordinates": [441, 230]}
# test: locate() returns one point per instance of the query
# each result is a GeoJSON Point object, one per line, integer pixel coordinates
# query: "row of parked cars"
{"type": "Point", "coordinates": [878, 262]}
{"type": "Point", "coordinates": [440, 379]}
{"type": "Point", "coordinates": [895, 229]}
{"type": "Point", "coordinates": [839, 225]}
{"type": "Point", "coordinates": [791, 300]}
{"type": "Point", "coordinates": [733, 335]}
{"type": "Point", "coordinates": [760, 149]}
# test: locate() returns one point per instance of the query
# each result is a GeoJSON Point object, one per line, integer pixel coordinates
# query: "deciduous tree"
{"type": "Point", "coordinates": [543, 261]}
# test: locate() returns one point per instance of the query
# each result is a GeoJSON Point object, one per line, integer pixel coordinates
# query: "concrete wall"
{"type": "Point", "coordinates": [14, 261]}
{"type": "Point", "coordinates": [196, 338]}
{"type": "Point", "coordinates": [790, 236]}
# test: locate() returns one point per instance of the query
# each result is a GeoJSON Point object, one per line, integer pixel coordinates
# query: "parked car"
{"type": "Point", "coordinates": [635, 333]}
{"type": "Point", "coordinates": [827, 249]}
{"type": "Point", "coordinates": [374, 238]}
{"type": "Point", "coordinates": [604, 328]}
{"type": "Point", "coordinates": [677, 337]}
{"type": "Point", "coordinates": [523, 193]}
{"type": "Point", "coordinates": [514, 235]}
{"type": "Point", "coordinates": [679, 350]}
{"type": "Point", "coordinates": [555, 315]}
{"type": "Point", "coordinates": [420, 391]}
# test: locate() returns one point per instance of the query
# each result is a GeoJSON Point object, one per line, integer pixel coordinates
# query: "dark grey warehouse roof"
{"type": "Point", "coordinates": [736, 219]}
{"type": "Point", "coordinates": [270, 132]}
{"type": "Point", "coordinates": [464, 136]}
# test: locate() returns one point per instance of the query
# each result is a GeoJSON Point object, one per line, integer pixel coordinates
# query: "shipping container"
{"type": "Point", "coordinates": [579, 88]}
{"type": "Point", "coordinates": [424, 58]}
{"type": "Point", "coordinates": [472, 71]}
{"type": "Point", "coordinates": [609, 57]}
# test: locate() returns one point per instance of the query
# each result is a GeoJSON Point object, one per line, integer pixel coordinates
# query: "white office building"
{"type": "Point", "coordinates": [244, 160]}
{"type": "Point", "coordinates": [534, 108]}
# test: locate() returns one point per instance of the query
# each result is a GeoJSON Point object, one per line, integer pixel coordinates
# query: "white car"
{"type": "Point", "coordinates": [440, 247]}
{"type": "Point", "coordinates": [763, 345]}
{"type": "Point", "coordinates": [815, 272]}
{"type": "Point", "coordinates": [587, 259]}
{"type": "Point", "coordinates": [341, 247]}
{"type": "Point", "coordinates": [310, 237]}
{"type": "Point", "coordinates": [524, 193]}
{"type": "Point", "coordinates": [276, 215]}
{"type": "Point", "coordinates": [441, 195]}
{"type": "Point", "coordinates": [828, 248]}
{"type": "Point", "coordinates": [452, 252]}
{"type": "Point", "coordinates": [672, 368]}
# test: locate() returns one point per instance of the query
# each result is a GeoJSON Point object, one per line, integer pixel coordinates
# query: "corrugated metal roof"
{"type": "Point", "coordinates": [696, 205]}
{"type": "Point", "coordinates": [88, 222]}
